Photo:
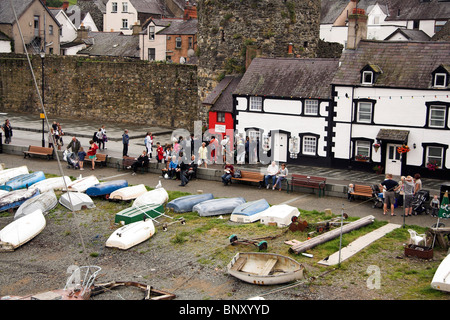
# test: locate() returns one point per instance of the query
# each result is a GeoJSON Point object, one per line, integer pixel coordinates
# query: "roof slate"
{"type": "Point", "coordinates": [114, 44]}
{"type": "Point", "coordinates": [289, 77]}
{"type": "Point", "coordinates": [221, 98]}
{"type": "Point", "coordinates": [405, 64]}
{"type": "Point", "coordinates": [180, 27]}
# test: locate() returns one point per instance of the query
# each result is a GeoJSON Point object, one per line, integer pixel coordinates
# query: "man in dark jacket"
{"type": "Point", "coordinates": [141, 161]}
{"type": "Point", "coordinates": [75, 145]}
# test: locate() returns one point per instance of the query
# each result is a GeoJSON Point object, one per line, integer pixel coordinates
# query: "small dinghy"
{"type": "Point", "coordinates": [186, 203]}
{"type": "Point", "coordinates": [134, 214]}
{"type": "Point", "coordinates": [25, 180]}
{"type": "Point", "coordinates": [44, 201]}
{"type": "Point", "coordinates": [80, 185]}
{"type": "Point", "coordinates": [156, 196]}
{"type": "Point", "coordinates": [128, 193]}
{"type": "Point", "coordinates": [15, 198]}
{"type": "Point", "coordinates": [441, 278]}
{"type": "Point", "coordinates": [56, 183]}
{"type": "Point", "coordinates": [249, 212]}
{"type": "Point", "coordinates": [76, 201]}
{"type": "Point", "coordinates": [217, 207]}
{"type": "Point", "coordinates": [265, 268]}
{"type": "Point", "coordinates": [131, 234]}
{"type": "Point", "coordinates": [8, 174]}
{"type": "Point", "coordinates": [104, 189]}
{"type": "Point", "coordinates": [280, 215]}
{"type": "Point", "coordinates": [22, 230]}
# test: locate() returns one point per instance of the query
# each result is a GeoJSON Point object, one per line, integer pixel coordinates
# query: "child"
{"type": "Point", "coordinates": [350, 196]}
{"type": "Point", "coordinates": [434, 204]}
{"type": "Point", "coordinates": [81, 156]}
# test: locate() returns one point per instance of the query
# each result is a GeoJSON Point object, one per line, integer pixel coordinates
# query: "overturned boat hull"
{"type": "Point", "coordinates": [156, 196]}
{"type": "Point", "coordinates": [8, 174]}
{"type": "Point", "coordinates": [80, 185]}
{"type": "Point", "coordinates": [131, 234]}
{"type": "Point", "coordinates": [76, 201]}
{"type": "Point", "coordinates": [441, 278]}
{"type": "Point", "coordinates": [249, 212]}
{"type": "Point", "coordinates": [106, 188]}
{"type": "Point", "coordinates": [280, 215]}
{"type": "Point", "coordinates": [44, 201]}
{"type": "Point", "coordinates": [186, 203]}
{"type": "Point", "coordinates": [216, 207]}
{"type": "Point", "coordinates": [56, 183]}
{"type": "Point", "coordinates": [128, 193]}
{"type": "Point", "coordinates": [15, 198]}
{"type": "Point", "coordinates": [25, 181]}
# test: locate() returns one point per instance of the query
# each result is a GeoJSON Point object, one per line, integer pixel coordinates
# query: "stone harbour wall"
{"type": "Point", "coordinates": [104, 89]}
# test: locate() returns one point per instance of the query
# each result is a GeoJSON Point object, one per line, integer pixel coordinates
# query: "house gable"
{"type": "Point", "coordinates": [441, 77]}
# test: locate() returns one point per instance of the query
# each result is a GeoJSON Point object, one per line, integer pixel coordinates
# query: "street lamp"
{"type": "Point", "coordinates": [42, 54]}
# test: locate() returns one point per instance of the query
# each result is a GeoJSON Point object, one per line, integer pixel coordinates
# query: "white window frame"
{"type": "Point", "coordinates": [124, 7]}
{"type": "Point", "coordinates": [114, 7]}
{"type": "Point", "coordinates": [178, 42]}
{"type": "Point", "coordinates": [50, 29]}
{"type": "Point", "coordinates": [436, 76]}
{"type": "Point", "coordinates": [364, 75]}
{"type": "Point", "coordinates": [151, 33]}
{"type": "Point", "coordinates": [150, 55]}
{"type": "Point", "coordinates": [311, 107]}
{"type": "Point", "coordinates": [368, 113]}
{"type": "Point", "coordinates": [436, 118]}
{"type": "Point", "coordinates": [438, 158]}
{"type": "Point", "coordinates": [255, 104]}
{"type": "Point", "coordinates": [309, 145]}
{"type": "Point", "coordinates": [124, 24]}
{"type": "Point", "coordinates": [362, 148]}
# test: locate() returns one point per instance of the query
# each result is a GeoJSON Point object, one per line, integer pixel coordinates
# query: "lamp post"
{"type": "Point", "coordinates": [42, 54]}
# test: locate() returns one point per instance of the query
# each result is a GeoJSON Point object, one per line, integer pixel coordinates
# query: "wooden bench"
{"type": "Point", "coordinates": [127, 162]}
{"type": "Point", "coordinates": [309, 182]}
{"type": "Point", "coordinates": [41, 151]}
{"type": "Point", "coordinates": [361, 190]}
{"type": "Point", "coordinates": [100, 158]}
{"type": "Point", "coordinates": [250, 176]}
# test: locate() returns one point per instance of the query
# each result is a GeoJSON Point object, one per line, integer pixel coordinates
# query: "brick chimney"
{"type": "Point", "coordinates": [190, 11]}
{"type": "Point", "coordinates": [137, 28]}
{"type": "Point", "coordinates": [357, 28]}
{"type": "Point", "coordinates": [65, 5]}
{"type": "Point", "coordinates": [82, 34]}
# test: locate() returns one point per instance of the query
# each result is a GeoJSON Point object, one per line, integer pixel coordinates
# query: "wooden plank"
{"type": "Point", "coordinates": [268, 267]}
{"type": "Point", "coordinates": [239, 264]}
{"type": "Point", "coordinates": [359, 244]}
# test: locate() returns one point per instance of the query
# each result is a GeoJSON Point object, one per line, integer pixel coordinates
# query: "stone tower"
{"type": "Point", "coordinates": [235, 31]}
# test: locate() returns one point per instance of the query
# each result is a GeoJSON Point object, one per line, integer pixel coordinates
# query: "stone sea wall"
{"type": "Point", "coordinates": [104, 89]}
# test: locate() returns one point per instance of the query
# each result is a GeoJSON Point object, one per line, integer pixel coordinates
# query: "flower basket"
{"type": "Point", "coordinates": [403, 149]}
{"type": "Point", "coordinates": [376, 146]}
{"type": "Point", "coordinates": [432, 165]}
{"type": "Point", "coordinates": [378, 169]}
{"type": "Point", "coordinates": [360, 157]}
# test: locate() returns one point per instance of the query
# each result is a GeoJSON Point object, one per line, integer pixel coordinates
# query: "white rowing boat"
{"type": "Point", "coordinates": [22, 230]}
{"type": "Point", "coordinates": [441, 278]}
{"type": "Point", "coordinates": [265, 268]}
{"type": "Point", "coordinates": [76, 201]}
{"type": "Point", "coordinates": [56, 183]}
{"type": "Point", "coordinates": [44, 201]}
{"type": "Point", "coordinates": [128, 193]}
{"type": "Point", "coordinates": [8, 174]}
{"type": "Point", "coordinates": [157, 196]}
{"type": "Point", "coordinates": [80, 185]}
{"type": "Point", "coordinates": [249, 212]}
{"type": "Point", "coordinates": [131, 234]}
{"type": "Point", "coordinates": [280, 215]}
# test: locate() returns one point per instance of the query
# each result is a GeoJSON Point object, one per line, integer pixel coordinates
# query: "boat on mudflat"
{"type": "Point", "coordinates": [25, 180]}
{"type": "Point", "coordinates": [265, 268]}
{"type": "Point", "coordinates": [186, 203]}
{"type": "Point", "coordinates": [128, 193]}
{"type": "Point", "coordinates": [76, 201]}
{"type": "Point", "coordinates": [441, 278]}
{"type": "Point", "coordinates": [44, 201]}
{"type": "Point", "coordinates": [22, 230]}
{"type": "Point", "coordinates": [134, 214]}
{"type": "Point", "coordinates": [131, 234]}
{"type": "Point", "coordinates": [80, 185]}
{"type": "Point", "coordinates": [216, 207]}
{"type": "Point", "coordinates": [56, 183]}
{"type": "Point", "coordinates": [15, 198]}
{"type": "Point", "coordinates": [156, 196]}
{"type": "Point", "coordinates": [8, 174]}
{"type": "Point", "coordinates": [106, 188]}
{"type": "Point", "coordinates": [249, 212]}
{"type": "Point", "coordinates": [280, 215]}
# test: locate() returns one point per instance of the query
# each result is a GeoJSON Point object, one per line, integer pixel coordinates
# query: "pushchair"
{"type": "Point", "coordinates": [419, 202]}
{"type": "Point", "coordinates": [377, 197]}
{"type": "Point", "coordinates": [71, 159]}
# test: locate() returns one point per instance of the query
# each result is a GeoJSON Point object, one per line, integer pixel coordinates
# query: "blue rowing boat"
{"type": "Point", "coordinates": [15, 198]}
{"type": "Point", "coordinates": [249, 212]}
{"type": "Point", "coordinates": [106, 188]}
{"type": "Point", "coordinates": [216, 207]}
{"type": "Point", "coordinates": [24, 180]}
{"type": "Point", "coordinates": [186, 203]}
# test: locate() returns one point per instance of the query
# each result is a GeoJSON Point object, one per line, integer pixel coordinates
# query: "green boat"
{"type": "Point", "coordinates": [134, 214]}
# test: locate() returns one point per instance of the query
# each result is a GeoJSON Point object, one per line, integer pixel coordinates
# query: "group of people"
{"type": "Point", "coordinates": [55, 136]}
{"type": "Point", "coordinates": [80, 154]}
{"type": "Point", "coordinates": [179, 169]}
{"type": "Point", "coordinates": [100, 137]}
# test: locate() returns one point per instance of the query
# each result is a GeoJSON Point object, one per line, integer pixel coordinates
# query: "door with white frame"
{"type": "Point", "coordinates": [280, 147]}
{"type": "Point", "coordinates": [393, 159]}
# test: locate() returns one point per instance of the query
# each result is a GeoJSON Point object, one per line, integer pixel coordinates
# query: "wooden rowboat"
{"type": "Point", "coordinates": [265, 268]}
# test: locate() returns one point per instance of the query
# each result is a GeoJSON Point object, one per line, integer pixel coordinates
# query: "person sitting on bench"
{"type": "Point", "coordinates": [141, 161]}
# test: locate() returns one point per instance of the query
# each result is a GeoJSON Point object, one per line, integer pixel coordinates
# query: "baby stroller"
{"type": "Point", "coordinates": [419, 202]}
{"type": "Point", "coordinates": [377, 196]}
{"type": "Point", "coordinates": [71, 159]}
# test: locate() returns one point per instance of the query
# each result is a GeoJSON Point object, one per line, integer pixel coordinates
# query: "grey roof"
{"type": "Point", "coordinates": [289, 77]}
{"type": "Point", "coordinates": [221, 98]}
{"type": "Point", "coordinates": [393, 135]}
{"type": "Point", "coordinates": [7, 13]}
{"type": "Point", "coordinates": [114, 44]}
{"type": "Point", "coordinates": [180, 26]}
{"type": "Point", "coordinates": [150, 6]}
{"type": "Point", "coordinates": [405, 64]}
{"type": "Point", "coordinates": [410, 34]}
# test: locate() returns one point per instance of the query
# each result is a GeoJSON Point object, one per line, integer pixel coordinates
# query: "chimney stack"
{"type": "Point", "coordinates": [82, 34]}
{"type": "Point", "coordinates": [137, 28]}
{"type": "Point", "coordinates": [357, 28]}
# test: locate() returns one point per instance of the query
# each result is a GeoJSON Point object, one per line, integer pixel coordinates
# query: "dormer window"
{"type": "Point", "coordinates": [369, 74]}
{"type": "Point", "coordinates": [440, 76]}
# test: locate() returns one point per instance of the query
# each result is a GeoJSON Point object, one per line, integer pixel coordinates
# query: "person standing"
{"type": "Point", "coordinates": [149, 144]}
{"type": "Point", "coordinates": [92, 153]}
{"type": "Point", "coordinates": [60, 141]}
{"type": "Point", "coordinates": [126, 143]}
{"type": "Point", "coordinates": [99, 136]}
{"type": "Point", "coordinates": [408, 189]}
{"type": "Point", "coordinates": [105, 138]}
{"type": "Point", "coordinates": [203, 154]}
{"type": "Point", "coordinates": [81, 156]}
{"type": "Point", "coordinates": [389, 195]}
{"type": "Point", "coordinates": [6, 127]}
{"type": "Point", "coordinates": [159, 152]}
{"type": "Point", "coordinates": [75, 145]}
{"type": "Point", "coordinates": [417, 183]}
